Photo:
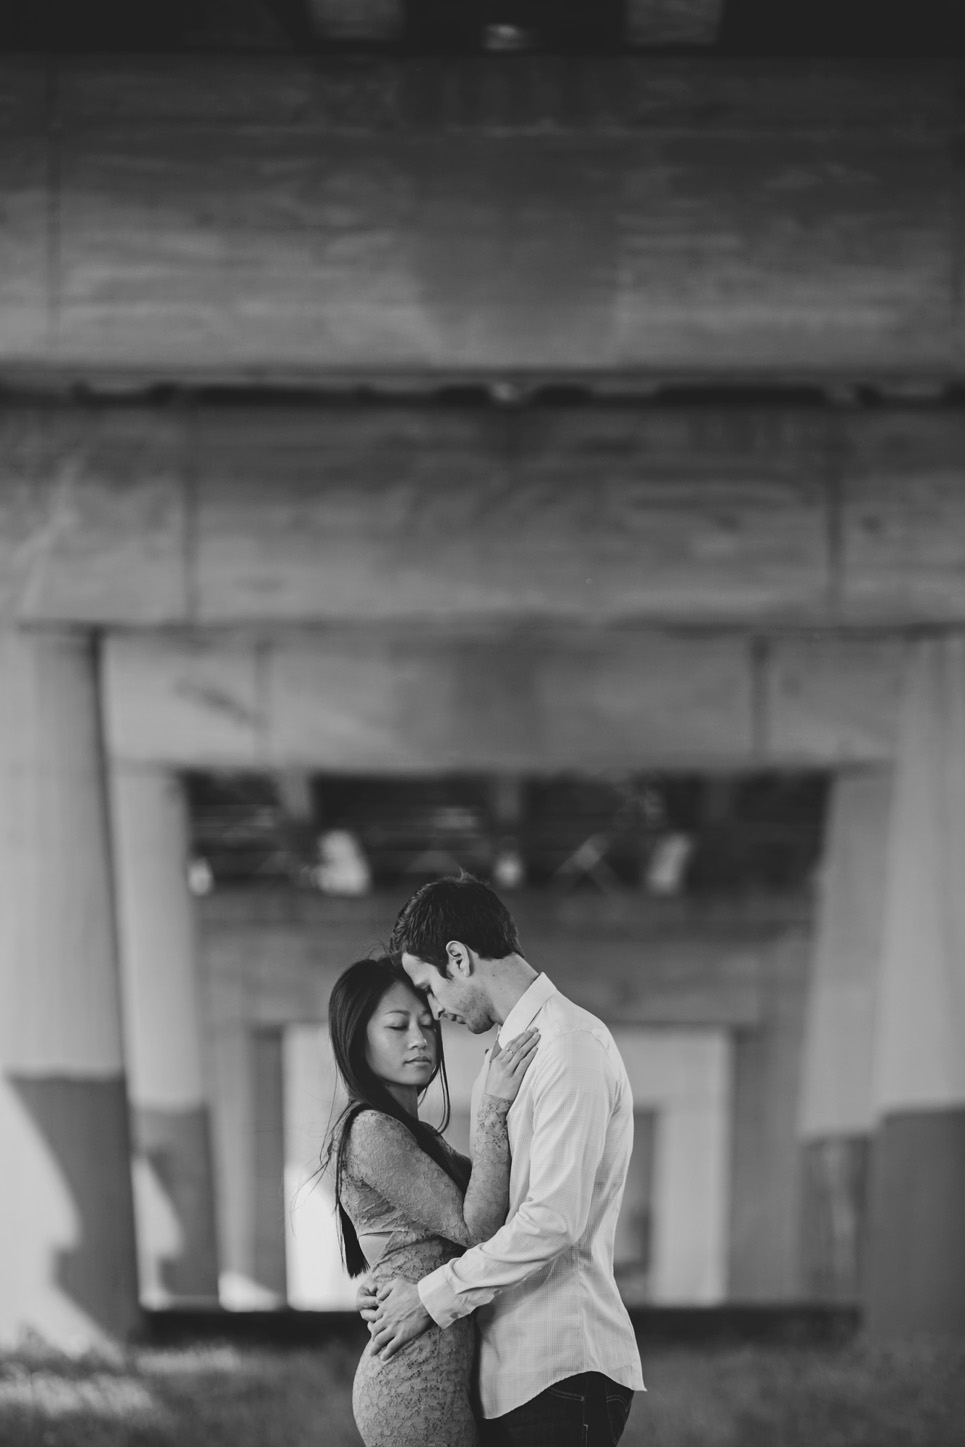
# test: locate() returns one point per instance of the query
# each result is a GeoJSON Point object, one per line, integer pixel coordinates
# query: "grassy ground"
{"type": "Point", "coordinates": [226, 1396]}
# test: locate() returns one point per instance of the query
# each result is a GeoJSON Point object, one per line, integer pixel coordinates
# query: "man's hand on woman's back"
{"type": "Point", "coordinates": [366, 1301]}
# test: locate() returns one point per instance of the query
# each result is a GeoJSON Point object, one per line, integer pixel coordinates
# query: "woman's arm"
{"type": "Point", "coordinates": [487, 1194]}
{"type": "Point", "coordinates": [385, 1154]}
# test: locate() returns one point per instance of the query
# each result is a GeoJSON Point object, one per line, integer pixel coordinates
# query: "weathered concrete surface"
{"type": "Point", "coordinates": [67, 1262]}
{"type": "Point", "coordinates": [181, 215]}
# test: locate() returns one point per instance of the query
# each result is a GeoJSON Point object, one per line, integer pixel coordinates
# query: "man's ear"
{"type": "Point", "coordinates": [460, 959]}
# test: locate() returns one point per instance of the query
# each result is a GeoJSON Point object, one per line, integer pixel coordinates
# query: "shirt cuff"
{"type": "Point", "coordinates": [439, 1299]}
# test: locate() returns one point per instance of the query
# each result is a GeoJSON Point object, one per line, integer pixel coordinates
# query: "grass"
{"type": "Point", "coordinates": [229, 1396]}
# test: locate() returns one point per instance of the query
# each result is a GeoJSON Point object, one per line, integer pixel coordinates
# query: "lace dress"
{"type": "Point", "coordinates": [412, 1217]}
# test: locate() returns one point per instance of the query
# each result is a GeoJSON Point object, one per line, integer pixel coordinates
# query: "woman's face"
{"type": "Point", "coordinates": [402, 1046]}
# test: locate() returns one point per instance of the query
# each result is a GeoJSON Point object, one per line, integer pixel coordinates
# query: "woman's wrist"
{"type": "Point", "coordinates": [497, 1103]}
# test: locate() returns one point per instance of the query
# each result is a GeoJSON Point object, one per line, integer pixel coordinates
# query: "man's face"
{"type": "Point", "coordinates": [456, 997]}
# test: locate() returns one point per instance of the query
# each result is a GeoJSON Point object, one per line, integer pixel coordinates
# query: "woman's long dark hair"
{"type": "Point", "coordinates": [355, 996]}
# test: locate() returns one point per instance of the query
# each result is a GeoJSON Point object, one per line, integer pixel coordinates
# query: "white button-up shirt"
{"type": "Point", "coordinates": [543, 1289]}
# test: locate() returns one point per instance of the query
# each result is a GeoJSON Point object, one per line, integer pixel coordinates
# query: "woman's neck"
{"type": "Point", "coordinates": [405, 1095]}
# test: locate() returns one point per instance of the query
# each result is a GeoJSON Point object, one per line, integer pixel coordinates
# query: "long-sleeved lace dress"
{"type": "Point", "coordinates": [410, 1215]}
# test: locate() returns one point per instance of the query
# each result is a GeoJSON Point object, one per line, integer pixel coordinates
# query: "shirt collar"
{"type": "Point", "coordinates": [526, 1009]}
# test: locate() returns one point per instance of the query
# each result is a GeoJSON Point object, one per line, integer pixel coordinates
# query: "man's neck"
{"type": "Point", "coordinates": [511, 978]}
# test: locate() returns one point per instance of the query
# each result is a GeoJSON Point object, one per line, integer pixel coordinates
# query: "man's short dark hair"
{"type": "Point", "coordinates": [457, 907]}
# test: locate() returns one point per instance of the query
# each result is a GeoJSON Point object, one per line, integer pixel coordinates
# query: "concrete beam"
{"type": "Point", "coordinates": [339, 514]}
{"type": "Point", "coordinates": [378, 22]}
{"type": "Point", "coordinates": [284, 950]}
{"type": "Point", "coordinates": [359, 700]}
{"type": "Point", "coordinates": [673, 22]}
{"type": "Point", "coordinates": [177, 217]}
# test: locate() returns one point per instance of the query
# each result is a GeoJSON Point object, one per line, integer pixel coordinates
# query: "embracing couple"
{"type": "Point", "coordinates": [493, 1313]}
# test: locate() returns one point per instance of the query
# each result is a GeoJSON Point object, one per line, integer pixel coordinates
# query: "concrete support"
{"type": "Point", "coordinates": [916, 1278]}
{"type": "Point", "coordinates": [316, 1276]}
{"type": "Point", "coordinates": [685, 1077]}
{"type": "Point", "coordinates": [231, 1048]}
{"type": "Point", "coordinates": [370, 22]}
{"type": "Point", "coordinates": [712, 517]}
{"type": "Point", "coordinates": [67, 1260]}
{"type": "Point", "coordinates": [765, 1163]}
{"type": "Point", "coordinates": [268, 1144]}
{"type": "Point", "coordinates": [177, 1250]}
{"type": "Point", "coordinates": [456, 215]}
{"type": "Point", "coordinates": [836, 1114]}
{"type": "Point", "coordinates": [673, 22]}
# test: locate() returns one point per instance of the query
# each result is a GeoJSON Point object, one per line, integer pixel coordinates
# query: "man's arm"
{"type": "Point", "coordinates": [572, 1083]}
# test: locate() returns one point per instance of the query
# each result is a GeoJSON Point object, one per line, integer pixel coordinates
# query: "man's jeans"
{"type": "Point", "coordinates": [587, 1410]}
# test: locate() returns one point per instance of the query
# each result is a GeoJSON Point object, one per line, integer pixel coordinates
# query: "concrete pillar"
{"type": "Point", "coordinates": [67, 1259]}
{"type": "Point", "coordinates": [268, 1147]}
{"type": "Point", "coordinates": [232, 1059]}
{"type": "Point", "coordinates": [685, 1077]}
{"type": "Point", "coordinates": [177, 1250]}
{"type": "Point", "coordinates": [317, 1280]}
{"type": "Point", "coordinates": [836, 1113]}
{"type": "Point", "coordinates": [916, 1278]}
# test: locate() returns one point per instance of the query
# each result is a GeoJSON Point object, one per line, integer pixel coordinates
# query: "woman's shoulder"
{"type": "Point", "coordinates": [371, 1133]}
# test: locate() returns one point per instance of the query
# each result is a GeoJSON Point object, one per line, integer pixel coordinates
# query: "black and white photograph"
{"type": "Point", "coordinates": [482, 723]}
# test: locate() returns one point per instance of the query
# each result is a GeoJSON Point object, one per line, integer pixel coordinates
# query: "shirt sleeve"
{"type": "Point", "coordinates": [573, 1099]}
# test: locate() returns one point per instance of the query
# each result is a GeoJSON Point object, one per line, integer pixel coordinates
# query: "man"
{"type": "Point", "coordinates": [558, 1356]}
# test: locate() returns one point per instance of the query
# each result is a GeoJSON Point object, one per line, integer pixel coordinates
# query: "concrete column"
{"type": "Point", "coordinates": [173, 1175]}
{"type": "Point", "coordinates": [268, 1146]}
{"type": "Point", "coordinates": [312, 1099]}
{"type": "Point", "coordinates": [232, 1059]}
{"type": "Point", "coordinates": [916, 1279]}
{"type": "Point", "coordinates": [836, 1113]}
{"type": "Point", "coordinates": [67, 1259]}
{"type": "Point", "coordinates": [685, 1076]}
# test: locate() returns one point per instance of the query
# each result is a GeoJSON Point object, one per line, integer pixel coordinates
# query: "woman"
{"type": "Point", "coordinates": [407, 1202]}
